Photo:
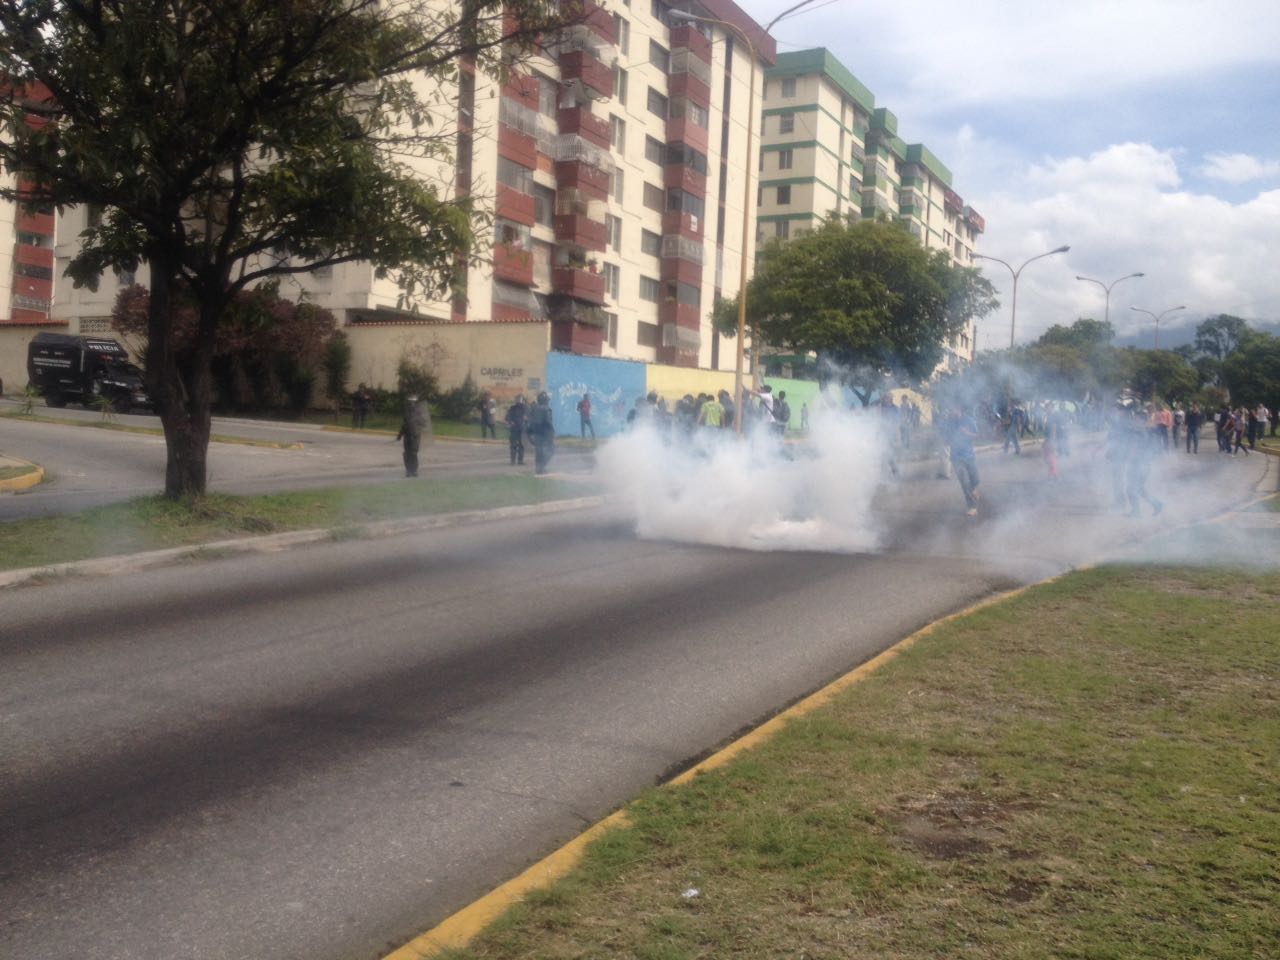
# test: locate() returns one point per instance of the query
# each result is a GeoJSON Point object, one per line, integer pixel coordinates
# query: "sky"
{"type": "Point", "coordinates": [1145, 135]}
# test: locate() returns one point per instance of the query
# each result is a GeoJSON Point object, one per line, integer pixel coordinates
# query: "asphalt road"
{"type": "Point", "coordinates": [88, 467]}
{"type": "Point", "coordinates": [320, 754]}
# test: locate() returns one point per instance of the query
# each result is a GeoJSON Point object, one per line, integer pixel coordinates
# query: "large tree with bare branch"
{"type": "Point", "coordinates": [212, 132]}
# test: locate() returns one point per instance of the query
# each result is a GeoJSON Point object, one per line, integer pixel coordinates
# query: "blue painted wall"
{"type": "Point", "coordinates": [613, 385]}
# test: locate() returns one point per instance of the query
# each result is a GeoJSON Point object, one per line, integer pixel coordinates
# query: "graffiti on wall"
{"type": "Point", "coordinates": [613, 386]}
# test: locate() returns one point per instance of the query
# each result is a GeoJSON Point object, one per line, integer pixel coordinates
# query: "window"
{"type": "Point", "coordinates": [786, 123]}
{"type": "Point", "coordinates": [686, 203]}
{"type": "Point", "coordinates": [687, 109]}
{"type": "Point", "coordinates": [615, 190]}
{"type": "Point", "coordinates": [653, 198]}
{"type": "Point", "coordinates": [659, 56]}
{"type": "Point", "coordinates": [620, 84]}
{"type": "Point", "coordinates": [618, 133]}
{"type": "Point", "coordinates": [611, 324]}
{"type": "Point", "coordinates": [646, 334]}
{"type": "Point", "coordinates": [650, 289]}
{"type": "Point", "coordinates": [789, 87]}
{"type": "Point", "coordinates": [782, 229]}
{"type": "Point", "coordinates": [613, 281]}
{"type": "Point", "coordinates": [681, 153]}
{"type": "Point", "coordinates": [623, 29]}
{"type": "Point", "coordinates": [655, 150]}
{"type": "Point", "coordinates": [784, 159]}
{"type": "Point", "coordinates": [515, 176]}
{"type": "Point", "coordinates": [685, 293]}
{"type": "Point", "coordinates": [650, 243]}
{"type": "Point", "coordinates": [784, 194]}
{"type": "Point", "coordinates": [659, 11]}
{"type": "Point", "coordinates": [657, 104]}
{"type": "Point", "coordinates": [512, 234]}
{"type": "Point", "coordinates": [764, 90]}
{"type": "Point", "coordinates": [613, 230]}
{"type": "Point", "coordinates": [544, 206]}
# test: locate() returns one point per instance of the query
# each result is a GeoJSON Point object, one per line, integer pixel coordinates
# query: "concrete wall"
{"type": "Point", "coordinates": [504, 358]}
{"type": "Point", "coordinates": [13, 354]}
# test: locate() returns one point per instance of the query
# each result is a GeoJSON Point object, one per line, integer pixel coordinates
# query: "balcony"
{"type": "Point", "coordinates": [38, 223]}
{"type": "Point", "coordinates": [683, 130]}
{"type": "Point", "coordinates": [517, 147]}
{"type": "Point", "coordinates": [583, 339]}
{"type": "Point", "coordinates": [584, 177]}
{"type": "Point", "coordinates": [581, 65]}
{"type": "Point", "coordinates": [684, 315]}
{"type": "Point", "coordinates": [513, 264]}
{"type": "Point", "coordinates": [951, 201]}
{"type": "Point", "coordinates": [34, 289]}
{"type": "Point", "coordinates": [687, 85]}
{"type": "Point", "coordinates": [513, 205]}
{"type": "Point", "coordinates": [579, 284]}
{"type": "Point", "coordinates": [974, 220]}
{"type": "Point", "coordinates": [35, 256]}
{"type": "Point", "coordinates": [675, 270]}
{"type": "Point", "coordinates": [582, 121]}
{"type": "Point", "coordinates": [687, 36]}
{"type": "Point", "coordinates": [684, 178]}
{"type": "Point", "coordinates": [685, 224]}
{"type": "Point", "coordinates": [523, 89]}
{"type": "Point", "coordinates": [580, 231]}
{"type": "Point", "coordinates": [593, 16]}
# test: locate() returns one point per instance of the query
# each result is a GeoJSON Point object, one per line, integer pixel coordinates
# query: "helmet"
{"type": "Point", "coordinates": [520, 398]}
{"type": "Point", "coordinates": [543, 397]}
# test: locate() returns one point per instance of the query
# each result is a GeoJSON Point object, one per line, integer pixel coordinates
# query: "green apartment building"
{"type": "Point", "coordinates": [826, 148]}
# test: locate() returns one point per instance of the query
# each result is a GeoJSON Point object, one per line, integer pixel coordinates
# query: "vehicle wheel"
{"type": "Point", "coordinates": [55, 400]}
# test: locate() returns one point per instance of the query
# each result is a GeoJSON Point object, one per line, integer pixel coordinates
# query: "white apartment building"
{"type": "Point", "coordinates": [828, 149]}
{"type": "Point", "coordinates": [613, 165]}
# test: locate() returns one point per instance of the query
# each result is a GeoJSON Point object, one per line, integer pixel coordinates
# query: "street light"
{"type": "Point", "coordinates": [682, 16]}
{"type": "Point", "coordinates": [1107, 287]}
{"type": "Point", "coordinates": [1013, 314]}
{"type": "Point", "coordinates": [1157, 317]}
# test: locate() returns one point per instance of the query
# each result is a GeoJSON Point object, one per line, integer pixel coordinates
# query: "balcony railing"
{"type": "Point", "coordinates": [595, 74]}
{"type": "Point", "coordinates": [578, 284]}
{"type": "Point", "coordinates": [581, 121]}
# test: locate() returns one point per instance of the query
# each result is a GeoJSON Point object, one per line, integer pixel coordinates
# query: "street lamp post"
{"type": "Point", "coordinates": [1157, 317]}
{"type": "Point", "coordinates": [746, 203]}
{"type": "Point", "coordinates": [1107, 287]}
{"type": "Point", "coordinates": [1013, 314]}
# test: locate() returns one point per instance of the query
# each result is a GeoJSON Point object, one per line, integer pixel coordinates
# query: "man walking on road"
{"type": "Point", "coordinates": [543, 430]}
{"type": "Point", "coordinates": [517, 413]}
{"type": "Point", "coordinates": [962, 432]}
{"type": "Point", "coordinates": [416, 422]}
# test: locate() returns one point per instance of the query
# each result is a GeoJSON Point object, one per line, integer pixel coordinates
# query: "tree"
{"type": "Point", "coordinates": [1218, 336]}
{"type": "Point", "coordinates": [864, 296]}
{"type": "Point", "coordinates": [1162, 375]}
{"type": "Point", "coordinates": [268, 351]}
{"type": "Point", "coordinates": [1252, 371]}
{"type": "Point", "coordinates": [212, 134]}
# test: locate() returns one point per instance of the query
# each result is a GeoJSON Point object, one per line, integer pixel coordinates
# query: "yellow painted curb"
{"type": "Point", "coordinates": [24, 482]}
{"type": "Point", "coordinates": [460, 928]}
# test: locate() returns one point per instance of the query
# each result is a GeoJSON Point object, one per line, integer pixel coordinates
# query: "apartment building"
{"type": "Point", "coordinates": [26, 277]}
{"type": "Point", "coordinates": [612, 163]}
{"type": "Point", "coordinates": [827, 149]}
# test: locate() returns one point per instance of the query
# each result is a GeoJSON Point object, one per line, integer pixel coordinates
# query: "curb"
{"type": "Point", "coordinates": [273, 543]}
{"type": "Point", "coordinates": [30, 479]}
{"type": "Point", "coordinates": [457, 930]}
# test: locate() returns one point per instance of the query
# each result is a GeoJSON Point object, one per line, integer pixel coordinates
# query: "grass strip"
{"type": "Point", "coordinates": [1090, 770]}
{"type": "Point", "coordinates": [12, 473]}
{"type": "Point", "coordinates": [151, 523]}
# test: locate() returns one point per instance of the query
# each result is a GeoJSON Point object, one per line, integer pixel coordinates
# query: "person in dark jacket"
{"type": "Point", "coordinates": [517, 416]}
{"type": "Point", "coordinates": [543, 431]}
{"type": "Point", "coordinates": [416, 422]}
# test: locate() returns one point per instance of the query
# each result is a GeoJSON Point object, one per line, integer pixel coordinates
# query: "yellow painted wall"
{"type": "Point", "coordinates": [672, 383]}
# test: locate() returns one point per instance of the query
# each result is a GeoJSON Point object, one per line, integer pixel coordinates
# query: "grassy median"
{"type": "Point", "coordinates": [151, 523]}
{"type": "Point", "coordinates": [1090, 770]}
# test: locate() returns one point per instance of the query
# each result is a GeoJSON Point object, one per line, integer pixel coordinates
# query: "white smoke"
{"type": "Point", "coordinates": [754, 493]}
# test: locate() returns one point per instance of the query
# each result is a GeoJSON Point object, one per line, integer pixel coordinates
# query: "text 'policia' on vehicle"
{"type": "Point", "coordinates": [65, 368]}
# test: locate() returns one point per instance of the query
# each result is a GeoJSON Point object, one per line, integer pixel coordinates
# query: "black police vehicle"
{"type": "Point", "coordinates": [66, 368]}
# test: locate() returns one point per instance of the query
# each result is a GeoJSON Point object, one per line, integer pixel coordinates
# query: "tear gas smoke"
{"type": "Point", "coordinates": [756, 493]}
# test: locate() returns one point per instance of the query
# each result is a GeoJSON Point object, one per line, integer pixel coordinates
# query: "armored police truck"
{"type": "Point", "coordinates": [65, 368]}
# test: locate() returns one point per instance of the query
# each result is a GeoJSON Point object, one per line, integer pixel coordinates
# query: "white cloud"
{"type": "Point", "coordinates": [1239, 168]}
{"type": "Point", "coordinates": [1122, 210]}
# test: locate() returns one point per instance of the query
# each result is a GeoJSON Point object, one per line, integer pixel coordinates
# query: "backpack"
{"type": "Point", "coordinates": [781, 412]}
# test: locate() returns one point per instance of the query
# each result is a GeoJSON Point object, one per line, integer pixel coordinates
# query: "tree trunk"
{"type": "Point", "coordinates": [180, 385]}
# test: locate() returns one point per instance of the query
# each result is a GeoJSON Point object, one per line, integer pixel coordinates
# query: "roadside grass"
{"type": "Point", "coordinates": [12, 473]}
{"type": "Point", "coordinates": [106, 422]}
{"type": "Point", "coordinates": [152, 523]}
{"type": "Point", "coordinates": [1089, 770]}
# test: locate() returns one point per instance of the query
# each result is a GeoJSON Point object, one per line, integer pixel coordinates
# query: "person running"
{"type": "Point", "coordinates": [962, 433]}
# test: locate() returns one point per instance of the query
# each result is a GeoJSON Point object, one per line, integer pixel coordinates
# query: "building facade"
{"type": "Point", "coordinates": [612, 163]}
{"type": "Point", "coordinates": [828, 150]}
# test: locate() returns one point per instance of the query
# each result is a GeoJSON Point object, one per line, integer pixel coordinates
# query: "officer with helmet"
{"type": "Point", "coordinates": [543, 431]}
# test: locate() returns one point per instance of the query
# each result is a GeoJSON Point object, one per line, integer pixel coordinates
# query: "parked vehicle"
{"type": "Point", "coordinates": [69, 369]}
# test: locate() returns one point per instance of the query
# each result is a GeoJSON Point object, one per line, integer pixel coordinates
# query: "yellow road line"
{"type": "Point", "coordinates": [460, 928]}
